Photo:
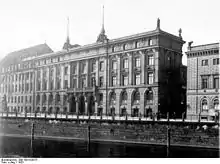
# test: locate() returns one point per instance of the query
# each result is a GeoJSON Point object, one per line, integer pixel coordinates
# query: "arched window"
{"type": "Point", "coordinates": [100, 99]}
{"type": "Point", "coordinates": [204, 105]}
{"type": "Point", "coordinates": [113, 99]}
{"type": "Point", "coordinates": [149, 97]}
{"type": "Point", "coordinates": [124, 98]}
{"type": "Point", "coordinates": [44, 98]}
{"type": "Point", "coordinates": [57, 98]}
{"type": "Point", "coordinates": [216, 104]}
{"type": "Point", "coordinates": [136, 98]}
{"type": "Point", "coordinates": [38, 99]}
{"type": "Point", "coordinates": [50, 98]}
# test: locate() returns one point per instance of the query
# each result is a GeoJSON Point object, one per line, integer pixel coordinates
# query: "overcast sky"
{"type": "Point", "coordinates": [27, 23]}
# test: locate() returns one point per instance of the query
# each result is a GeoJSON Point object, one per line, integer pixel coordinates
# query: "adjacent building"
{"type": "Point", "coordinates": [203, 80]}
{"type": "Point", "coordinates": [137, 75]}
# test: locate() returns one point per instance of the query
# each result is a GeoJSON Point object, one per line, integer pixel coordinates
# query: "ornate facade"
{"type": "Point", "coordinates": [203, 79]}
{"type": "Point", "coordinates": [135, 75]}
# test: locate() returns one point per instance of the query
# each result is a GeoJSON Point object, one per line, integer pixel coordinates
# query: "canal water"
{"type": "Point", "coordinates": [21, 147]}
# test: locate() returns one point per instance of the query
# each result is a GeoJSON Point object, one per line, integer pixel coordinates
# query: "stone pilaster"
{"type": "Point", "coordinates": [54, 78]}
{"type": "Point", "coordinates": [130, 66]}
{"type": "Point", "coordinates": [48, 78]}
{"type": "Point", "coordinates": [62, 76]}
{"type": "Point", "coordinates": [78, 74]}
{"type": "Point", "coordinates": [142, 105]}
{"type": "Point", "coordinates": [97, 72]}
{"type": "Point", "coordinates": [41, 79]}
{"type": "Point", "coordinates": [119, 70]}
{"type": "Point", "coordinates": [129, 101]}
{"type": "Point", "coordinates": [68, 75]}
{"type": "Point", "coordinates": [142, 68]}
{"type": "Point", "coordinates": [87, 73]}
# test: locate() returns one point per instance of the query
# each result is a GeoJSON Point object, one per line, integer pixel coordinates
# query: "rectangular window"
{"type": "Point", "coordinates": [216, 82]}
{"type": "Point", "coordinates": [83, 66]}
{"type": "Point", "coordinates": [74, 83]}
{"type": "Point", "coordinates": [204, 62]}
{"type": "Point", "coordinates": [216, 61]}
{"type": "Point", "coordinates": [114, 65]}
{"type": "Point", "coordinates": [125, 80]}
{"type": "Point", "coordinates": [65, 84]}
{"type": "Point", "coordinates": [150, 78]}
{"type": "Point", "coordinates": [114, 82]}
{"type": "Point", "coordinates": [65, 70]}
{"type": "Point", "coordinates": [101, 81]}
{"type": "Point", "coordinates": [204, 82]}
{"type": "Point", "coordinates": [125, 63]}
{"type": "Point", "coordinates": [93, 81]}
{"type": "Point", "coordinates": [101, 64]}
{"type": "Point", "coordinates": [93, 67]}
{"type": "Point", "coordinates": [137, 62]}
{"type": "Point", "coordinates": [83, 82]}
{"type": "Point", "coordinates": [137, 79]}
{"type": "Point", "coordinates": [150, 60]}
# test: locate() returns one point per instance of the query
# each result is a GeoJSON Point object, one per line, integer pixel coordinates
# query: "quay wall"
{"type": "Point", "coordinates": [182, 134]}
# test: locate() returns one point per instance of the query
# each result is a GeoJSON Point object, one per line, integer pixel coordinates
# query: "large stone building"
{"type": "Point", "coordinates": [137, 74]}
{"type": "Point", "coordinates": [203, 79]}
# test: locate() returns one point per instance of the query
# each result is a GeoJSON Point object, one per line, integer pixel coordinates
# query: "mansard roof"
{"type": "Point", "coordinates": [16, 56]}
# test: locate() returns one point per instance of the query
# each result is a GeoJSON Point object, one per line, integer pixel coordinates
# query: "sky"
{"type": "Point", "coordinates": [25, 23]}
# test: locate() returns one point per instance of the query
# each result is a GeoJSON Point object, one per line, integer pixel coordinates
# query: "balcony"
{"type": "Point", "coordinates": [150, 67]}
{"type": "Point", "coordinates": [86, 89]}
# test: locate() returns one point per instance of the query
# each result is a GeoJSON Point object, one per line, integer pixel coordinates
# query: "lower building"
{"type": "Point", "coordinates": [203, 80]}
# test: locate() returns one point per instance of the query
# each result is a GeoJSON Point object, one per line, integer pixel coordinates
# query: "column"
{"type": "Point", "coordinates": [142, 106]}
{"type": "Point", "coordinates": [142, 67]}
{"type": "Point", "coordinates": [47, 94]}
{"type": "Point", "coordinates": [41, 79]}
{"type": "Point", "coordinates": [62, 74]}
{"type": "Point", "coordinates": [97, 72]}
{"type": "Point", "coordinates": [117, 107]}
{"type": "Point", "coordinates": [54, 77]}
{"type": "Point", "coordinates": [119, 70]}
{"type": "Point", "coordinates": [130, 65]}
{"type": "Point", "coordinates": [87, 73]}
{"type": "Point", "coordinates": [129, 92]}
{"type": "Point", "coordinates": [105, 71]}
{"type": "Point", "coordinates": [77, 104]}
{"type": "Point", "coordinates": [48, 78]}
{"type": "Point", "coordinates": [156, 65]}
{"type": "Point", "coordinates": [68, 74]}
{"type": "Point", "coordinates": [61, 102]}
{"type": "Point", "coordinates": [78, 74]}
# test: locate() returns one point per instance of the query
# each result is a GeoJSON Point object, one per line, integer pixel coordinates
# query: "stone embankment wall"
{"type": "Point", "coordinates": [185, 134]}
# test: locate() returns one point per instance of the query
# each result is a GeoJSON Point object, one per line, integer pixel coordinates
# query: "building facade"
{"type": "Point", "coordinates": [136, 75]}
{"type": "Point", "coordinates": [203, 79]}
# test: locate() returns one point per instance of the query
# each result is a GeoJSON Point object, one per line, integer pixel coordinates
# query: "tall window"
{"type": "Point", "coordinates": [66, 84]}
{"type": "Point", "coordinates": [114, 80]}
{"type": "Point", "coordinates": [65, 70]}
{"type": "Point", "coordinates": [216, 104]}
{"type": "Point", "coordinates": [114, 65]}
{"type": "Point", "coordinates": [216, 82]}
{"type": "Point", "coordinates": [216, 61]}
{"type": "Point", "coordinates": [150, 60]}
{"type": "Point", "coordinates": [125, 63]}
{"type": "Point", "coordinates": [101, 81]}
{"type": "Point", "coordinates": [137, 79]}
{"type": "Point", "coordinates": [204, 105]}
{"type": "Point", "coordinates": [137, 62]}
{"type": "Point", "coordinates": [83, 67]}
{"type": "Point", "coordinates": [93, 81]}
{"type": "Point", "coordinates": [125, 80]}
{"type": "Point", "coordinates": [205, 62]}
{"type": "Point", "coordinates": [74, 69]}
{"type": "Point", "coordinates": [150, 78]}
{"type": "Point", "coordinates": [83, 84]}
{"type": "Point", "coordinates": [93, 67]}
{"type": "Point", "coordinates": [204, 82]}
{"type": "Point", "coordinates": [101, 64]}
{"type": "Point", "coordinates": [74, 83]}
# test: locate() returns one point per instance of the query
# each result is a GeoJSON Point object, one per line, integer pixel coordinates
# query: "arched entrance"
{"type": "Point", "coordinates": [81, 105]}
{"type": "Point", "coordinates": [135, 104]}
{"type": "Point", "coordinates": [72, 105]}
{"type": "Point", "coordinates": [91, 105]}
{"type": "Point", "coordinates": [112, 103]}
{"type": "Point", "coordinates": [50, 110]}
{"type": "Point", "coordinates": [148, 103]}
